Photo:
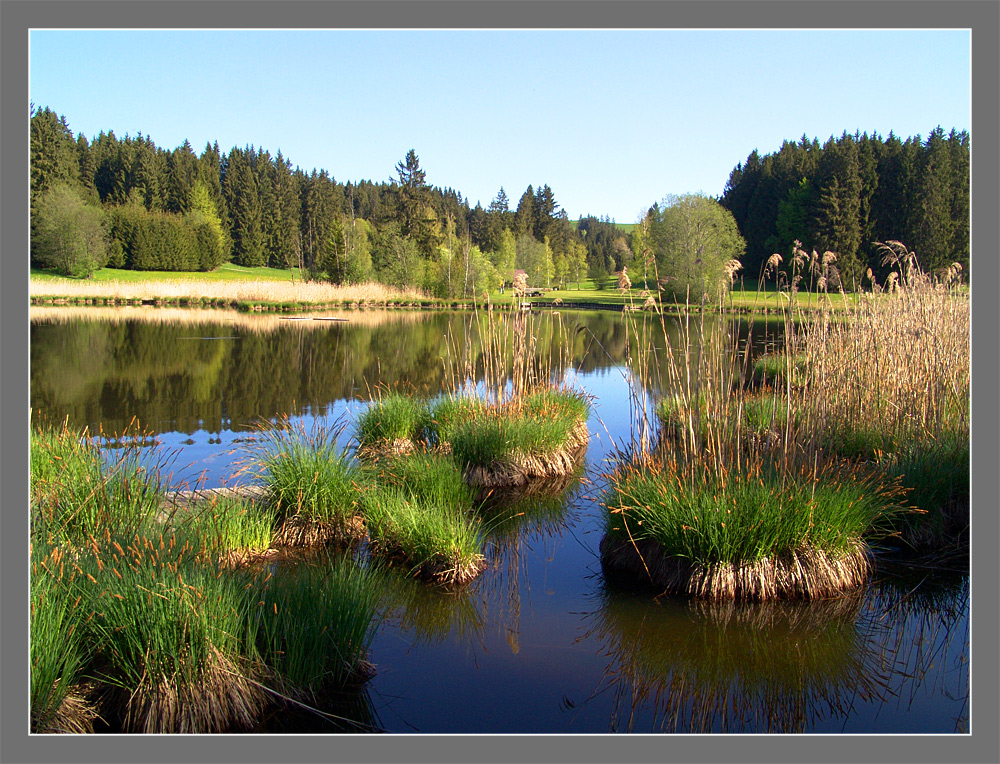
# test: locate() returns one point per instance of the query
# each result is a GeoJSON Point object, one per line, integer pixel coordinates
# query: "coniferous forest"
{"type": "Point", "coordinates": [128, 203]}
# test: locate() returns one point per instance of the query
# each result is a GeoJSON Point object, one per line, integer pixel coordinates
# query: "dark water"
{"type": "Point", "coordinates": [541, 642]}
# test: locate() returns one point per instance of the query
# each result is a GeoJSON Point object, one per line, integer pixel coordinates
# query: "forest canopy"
{"type": "Point", "coordinates": [140, 206]}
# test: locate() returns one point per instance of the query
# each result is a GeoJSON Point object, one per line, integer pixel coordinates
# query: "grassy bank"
{"type": "Point", "coordinates": [284, 290]}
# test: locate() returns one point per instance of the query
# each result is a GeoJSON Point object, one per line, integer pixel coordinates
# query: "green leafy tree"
{"type": "Point", "coordinates": [506, 256]}
{"type": "Point", "coordinates": [67, 234]}
{"type": "Point", "coordinates": [694, 237]}
{"type": "Point", "coordinates": [213, 241]}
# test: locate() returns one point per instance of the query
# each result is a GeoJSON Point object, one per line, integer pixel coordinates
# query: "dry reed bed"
{"type": "Point", "coordinates": [881, 387]}
{"type": "Point", "coordinates": [227, 291]}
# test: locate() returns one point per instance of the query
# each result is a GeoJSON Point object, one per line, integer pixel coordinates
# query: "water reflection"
{"type": "Point", "coordinates": [690, 666]}
{"type": "Point", "coordinates": [679, 665]}
{"type": "Point", "coordinates": [212, 371]}
{"type": "Point", "coordinates": [498, 655]}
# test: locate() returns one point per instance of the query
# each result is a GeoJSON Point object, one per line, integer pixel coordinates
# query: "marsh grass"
{"type": "Point", "coordinates": [431, 475]}
{"type": "Point", "coordinates": [394, 423]}
{"type": "Point", "coordinates": [57, 651]}
{"type": "Point", "coordinates": [865, 396]}
{"type": "Point", "coordinates": [310, 482]}
{"type": "Point", "coordinates": [170, 630]}
{"type": "Point", "coordinates": [228, 524]}
{"type": "Point", "coordinates": [433, 540]}
{"type": "Point", "coordinates": [542, 434]}
{"type": "Point", "coordinates": [77, 489]}
{"type": "Point", "coordinates": [449, 412]}
{"type": "Point", "coordinates": [758, 535]}
{"type": "Point", "coordinates": [314, 624]}
{"type": "Point", "coordinates": [775, 370]}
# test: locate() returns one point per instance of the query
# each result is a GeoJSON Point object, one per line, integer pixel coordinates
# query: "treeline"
{"type": "Point", "coordinates": [127, 203]}
{"type": "Point", "coordinates": [851, 192]}
{"type": "Point", "coordinates": [178, 210]}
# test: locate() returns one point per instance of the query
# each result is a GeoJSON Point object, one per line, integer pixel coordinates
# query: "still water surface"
{"type": "Point", "coordinates": [542, 642]}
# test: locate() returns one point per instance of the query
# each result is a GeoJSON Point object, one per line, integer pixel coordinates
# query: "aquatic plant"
{"type": "Point", "coordinates": [57, 647]}
{"type": "Point", "coordinates": [392, 424]}
{"type": "Point", "coordinates": [539, 435]}
{"type": "Point", "coordinates": [310, 482]}
{"type": "Point", "coordinates": [171, 630]}
{"type": "Point", "coordinates": [755, 535]}
{"type": "Point", "coordinates": [76, 490]}
{"type": "Point", "coordinates": [434, 540]}
{"type": "Point", "coordinates": [314, 624]}
{"type": "Point", "coordinates": [228, 524]}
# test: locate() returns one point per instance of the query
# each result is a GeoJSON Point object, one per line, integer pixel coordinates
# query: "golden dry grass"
{"type": "Point", "coordinates": [223, 699]}
{"type": "Point", "coordinates": [232, 291]}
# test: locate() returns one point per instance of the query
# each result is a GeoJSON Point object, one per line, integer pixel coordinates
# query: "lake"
{"type": "Point", "coordinates": [543, 641]}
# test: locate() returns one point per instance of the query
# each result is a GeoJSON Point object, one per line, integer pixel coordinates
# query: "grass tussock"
{"type": "Point", "coordinates": [866, 412]}
{"type": "Point", "coordinates": [437, 542]}
{"type": "Point", "coordinates": [314, 624]}
{"type": "Point", "coordinates": [77, 489]}
{"type": "Point", "coordinates": [541, 435]}
{"type": "Point", "coordinates": [170, 629]}
{"type": "Point", "coordinates": [311, 484]}
{"type": "Point", "coordinates": [392, 425]}
{"type": "Point", "coordinates": [57, 652]}
{"type": "Point", "coordinates": [752, 536]}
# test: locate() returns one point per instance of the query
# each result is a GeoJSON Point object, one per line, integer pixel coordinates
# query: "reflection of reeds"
{"type": "Point", "coordinates": [734, 667]}
{"type": "Point", "coordinates": [430, 614]}
{"type": "Point", "coordinates": [255, 323]}
{"type": "Point", "coordinates": [920, 621]}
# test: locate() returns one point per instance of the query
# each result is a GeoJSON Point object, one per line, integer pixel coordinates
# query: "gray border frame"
{"type": "Point", "coordinates": [981, 16]}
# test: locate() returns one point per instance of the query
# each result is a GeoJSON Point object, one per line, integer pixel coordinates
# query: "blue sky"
{"type": "Point", "coordinates": [612, 120]}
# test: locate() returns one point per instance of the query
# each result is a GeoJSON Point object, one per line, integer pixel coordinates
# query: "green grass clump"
{"type": "Point", "coordinates": [746, 518]}
{"type": "Point", "coordinates": [314, 624]}
{"type": "Point", "coordinates": [935, 475]}
{"type": "Point", "coordinates": [393, 417]}
{"type": "Point", "coordinates": [76, 492]}
{"type": "Point", "coordinates": [230, 524]}
{"type": "Point", "coordinates": [57, 647]}
{"type": "Point", "coordinates": [307, 475]}
{"type": "Point", "coordinates": [172, 633]}
{"type": "Point", "coordinates": [778, 368]}
{"type": "Point", "coordinates": [436, 541]}
{"type": "Point", "coordinates": [433, 477]}
{"type": "Point", "coordinates": [449, 412]}
{"type": "Point", "coordinates": [498, 439]}
{"type": "Point", "coordinates": [563, 405]}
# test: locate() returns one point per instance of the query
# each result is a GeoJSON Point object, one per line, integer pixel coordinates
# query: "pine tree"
{"type": "Point", "coordinates": [243, 201]}
{"type": "Point", "coordinates": [182, 171]}
{"type": "Point", "coordinates": [54, 155]}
